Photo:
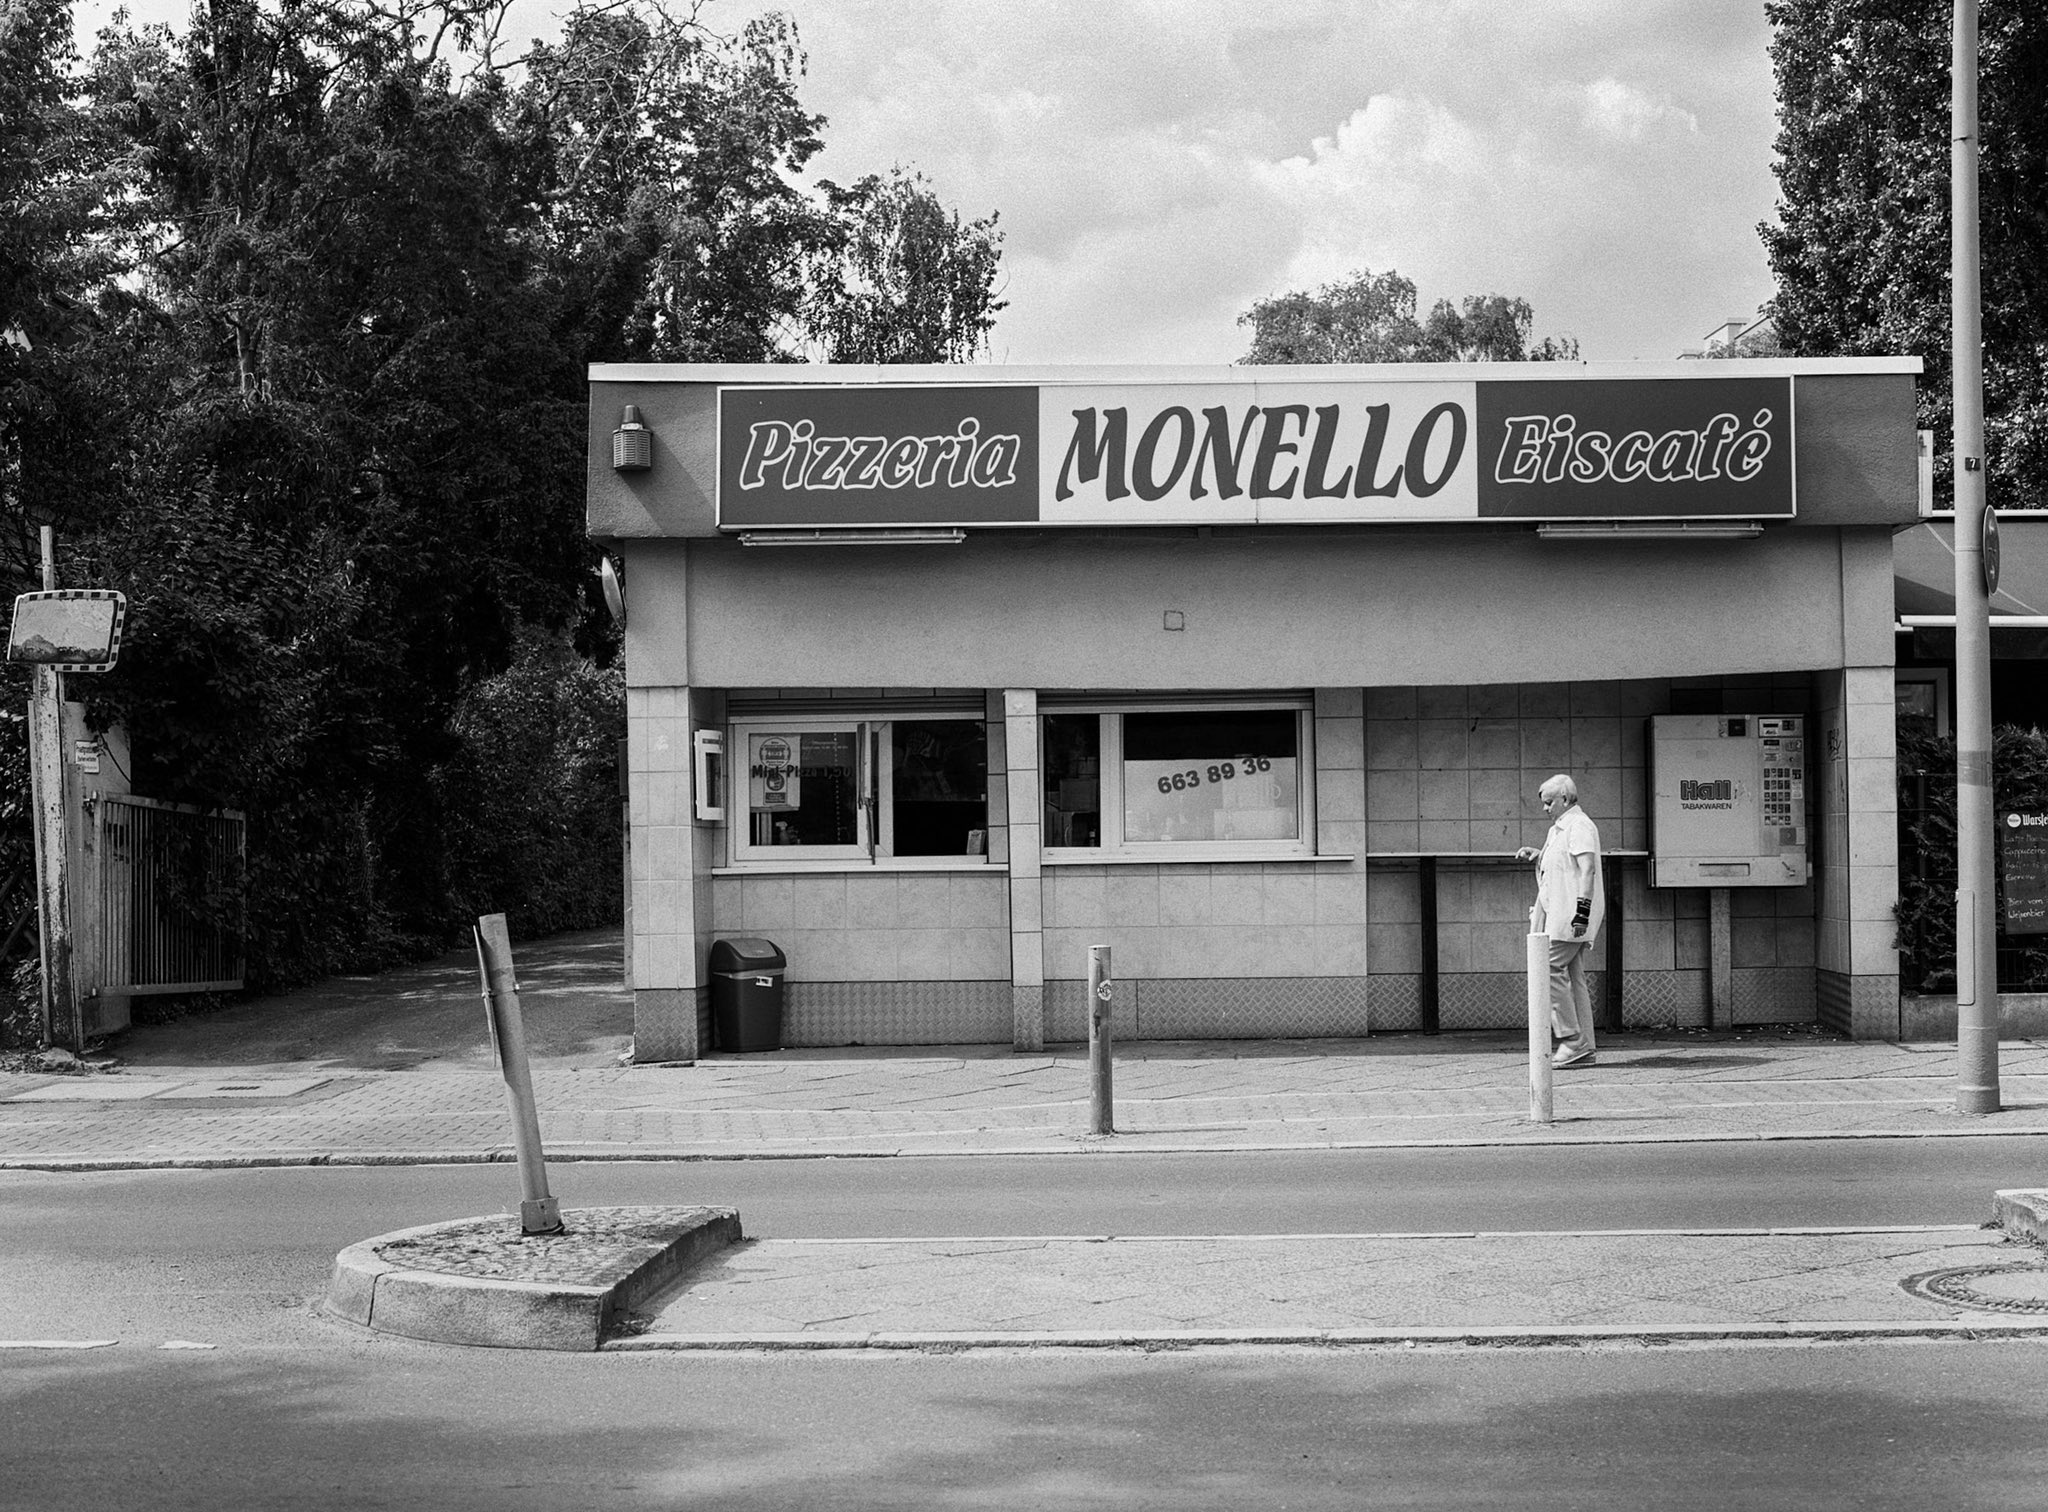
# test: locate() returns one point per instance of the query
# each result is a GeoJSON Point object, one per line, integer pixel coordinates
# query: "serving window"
{"type": "Point", "coordinates": [860, 789]}
{"type": "Point", "coordinates": [1189, 782]}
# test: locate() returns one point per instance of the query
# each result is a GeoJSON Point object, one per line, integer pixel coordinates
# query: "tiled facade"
{"type": "Point", "coordinates": [1020, 785]}
{"type": "Point", "coordinates": [1856, 767]}
{"type": "Point", "coordinates": [1452, 772]}
{"type": "Point", "coordinates": [877, 926]}
{"type": "Point", "coordinates": [1326, 945]}
{"type": "Point", "coordinates": [668, 874]}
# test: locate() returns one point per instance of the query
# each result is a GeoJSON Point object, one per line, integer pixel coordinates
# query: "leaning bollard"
{"type": "Point", "coordinates": [538, 1212]}
{"type": "Point", "coordinates": [1101, 1108]}
{"type": "Point", "coordinates": [1539, 1028]}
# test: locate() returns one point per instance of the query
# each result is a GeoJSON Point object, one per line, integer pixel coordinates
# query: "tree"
{"type": "Point", "coordinates": [532, 783]}
{"type": "Point", "coordinates": [1489, 328]}
{"type": "Point", "coordinates": [677, 224]}
{"type": "Point", "coordinates": [1370, 317]}
{"type": "Point", "coordinates": [296, 308]}
{"type": "Point", "coordinates": [60, 195]}
{"type": "Point", "coordinates": [1860, 249]}
{"type": "Point", "coordinates": [354, 440]}
{"type": "Point", "coordinates": [673, 217]}
{"type": "Point", "coordinates": [906, 280]}
{"type": "Point", "coordinates": [60, 198]}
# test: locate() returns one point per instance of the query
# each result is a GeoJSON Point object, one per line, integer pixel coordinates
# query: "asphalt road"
{"type": "Point", "coordinates": [385, 1424]}
{"type": "Point", "coordinates": [288, 1408]}
{"type": "Point", "coordinates": [238, 1255]}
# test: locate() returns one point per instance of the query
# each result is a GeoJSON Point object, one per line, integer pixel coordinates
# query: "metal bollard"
{"type": "Point", "coordinates": [1539, 1028]}
{"type": "Point", "coordinates": [1101, 1108]}
{"type": "Point", "coordinates": [538, 1212]}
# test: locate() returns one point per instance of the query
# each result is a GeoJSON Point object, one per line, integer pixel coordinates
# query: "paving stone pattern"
{"type": "Point", "coordinates": [597, 1246]}
{"type": "Point", "coordinates": [1458, 1090]}
{"type": "Point", "coordinates": [1612, 1282]}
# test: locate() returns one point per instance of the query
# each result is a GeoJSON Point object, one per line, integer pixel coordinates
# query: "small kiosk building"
{"type": "Point", "coordinates": [937, 676]}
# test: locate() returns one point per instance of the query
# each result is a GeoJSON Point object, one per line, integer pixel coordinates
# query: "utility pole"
{"type": "Point", "coordinates": [1976, 888]}
{"type": "Point", "coordinates": [61, 1022]}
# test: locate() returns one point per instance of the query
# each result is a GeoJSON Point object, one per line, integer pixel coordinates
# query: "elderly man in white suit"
{"type": "Point", "coordinates": [1570, 907]}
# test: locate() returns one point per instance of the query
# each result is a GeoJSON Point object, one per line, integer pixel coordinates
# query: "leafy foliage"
{"type": "Point", "coordinates": [673, 218]}
{"type": "Point", "coordinates": [61, 174]}
{"type": "Point", "coordinates": [356, 469]}
{"type": "Point", "coordinates": [1370, 317]}
{"type": "Point", "coordinates": [532, 793]}
{"type": "Point", "coordinates": [310, 292]}
{"type": "Point", "coordinates": [906, 282]}
{"type": "Point", "coordinates": [1861, 248]}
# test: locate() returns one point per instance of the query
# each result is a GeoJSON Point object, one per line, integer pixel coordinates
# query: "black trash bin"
{"type": "Point", "coordinates": [746, 994]}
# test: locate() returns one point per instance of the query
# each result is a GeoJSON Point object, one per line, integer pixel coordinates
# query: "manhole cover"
{"type": "Point", "coordinates": [1992, 1288]}
{"type": "Point", "coordinates": [243, 1091]}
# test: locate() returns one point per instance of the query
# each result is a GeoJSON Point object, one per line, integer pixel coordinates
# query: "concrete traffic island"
{"type": "Point", "coordinates": [2022, 1214]}
{"type": "Point", "coordinates": [482, 1281]}
{"type": "Point", "coordinates": [543, 1279]}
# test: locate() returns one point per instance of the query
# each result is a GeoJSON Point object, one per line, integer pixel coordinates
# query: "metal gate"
{"type": "Point", "coordinates": [172, 902]}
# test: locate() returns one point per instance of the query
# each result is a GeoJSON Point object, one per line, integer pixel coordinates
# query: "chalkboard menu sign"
{"type": "Point", "coordinates": [2023, 854]}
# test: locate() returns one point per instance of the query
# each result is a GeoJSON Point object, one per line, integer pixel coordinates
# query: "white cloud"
{"type": "Point", "coordinates": [1178, 162]}
{"type": "Point", "coordinates": [1161, 164]}
{"type": "Point", "coordinates": [1628, 114]}
{"type": "Point", "coordinates": [1365, 197]}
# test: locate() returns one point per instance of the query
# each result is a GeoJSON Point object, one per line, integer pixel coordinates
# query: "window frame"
{"type": "Point", "coordinates": [1935, 677]}
{"type": "Point", "coordinates": [739, 803]}
{"type": "Point", "coordinates": [875, 796]}
{"type": "Point", "coordinates": [1110, 777]}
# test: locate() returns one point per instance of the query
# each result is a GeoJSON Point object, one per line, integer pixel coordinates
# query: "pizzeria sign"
{"type": "Point", "coordinates": [1317, 452]}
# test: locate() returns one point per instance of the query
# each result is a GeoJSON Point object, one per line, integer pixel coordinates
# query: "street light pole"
{"type": "Point", "coordinates": [1976, 894]}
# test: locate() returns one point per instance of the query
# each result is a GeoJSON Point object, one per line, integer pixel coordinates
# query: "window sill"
{"type": "Point", "coordinates": [862, 868]}
{"type": "Point", "coordinates": [1208, 858]}
{"type": "Point", "coordinates": [1409, 855]}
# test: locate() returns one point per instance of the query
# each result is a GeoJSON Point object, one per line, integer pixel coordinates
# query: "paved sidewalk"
{"type": "Point", "coordinates": [397, 1068]}
{"type": "Point", "coordinates": [1344, 1289]}
{"type": "Point", "coordinates": [1168, 1098]}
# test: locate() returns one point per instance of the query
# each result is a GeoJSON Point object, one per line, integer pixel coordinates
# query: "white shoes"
{"type": "Point", "coordinates": [1564, 1056]}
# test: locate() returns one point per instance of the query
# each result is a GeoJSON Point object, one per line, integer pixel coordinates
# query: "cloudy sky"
{"type": "Point", "coordinates": [1159, 165]}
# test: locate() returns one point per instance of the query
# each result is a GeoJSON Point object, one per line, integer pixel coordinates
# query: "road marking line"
{"type": "Point", "coordinates": [57, 1343]}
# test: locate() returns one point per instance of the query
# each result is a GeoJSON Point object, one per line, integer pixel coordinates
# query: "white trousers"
{"type": "Point", "coordinates": [1571, 1006]}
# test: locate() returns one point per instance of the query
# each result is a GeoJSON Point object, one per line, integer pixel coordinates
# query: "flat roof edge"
{"type": "Point", "coordinates": [794, 374]}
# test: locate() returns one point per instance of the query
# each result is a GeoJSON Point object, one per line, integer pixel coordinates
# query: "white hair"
{"type": "Point", "coordinates": [1559, 786]}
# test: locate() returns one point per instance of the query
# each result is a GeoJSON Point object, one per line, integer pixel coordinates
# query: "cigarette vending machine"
{"type": "Point", "coordinates": [1728, 800]}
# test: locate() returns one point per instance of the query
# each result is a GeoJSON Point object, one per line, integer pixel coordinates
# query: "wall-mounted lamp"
{"type": "Point", "coordinates": [632, 443]}
{"type": "Point", "coordinates": [614, 590]}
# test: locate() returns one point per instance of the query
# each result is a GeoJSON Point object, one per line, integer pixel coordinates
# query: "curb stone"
{"type": "Point", "coordinates": [2022, 1214]}
{"type": "Point", "coordinates": [1128, 1144]}
{"type": "Point", "coordinates": [449, 1307]}
{"type": "Point", "coordinates": [1525, 1335]}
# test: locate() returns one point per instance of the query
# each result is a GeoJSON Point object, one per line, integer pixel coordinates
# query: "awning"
{"type": "Point", "coordinates": [1924, 568]}
{"type": "Point", "coordinates": [1924, 597]}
